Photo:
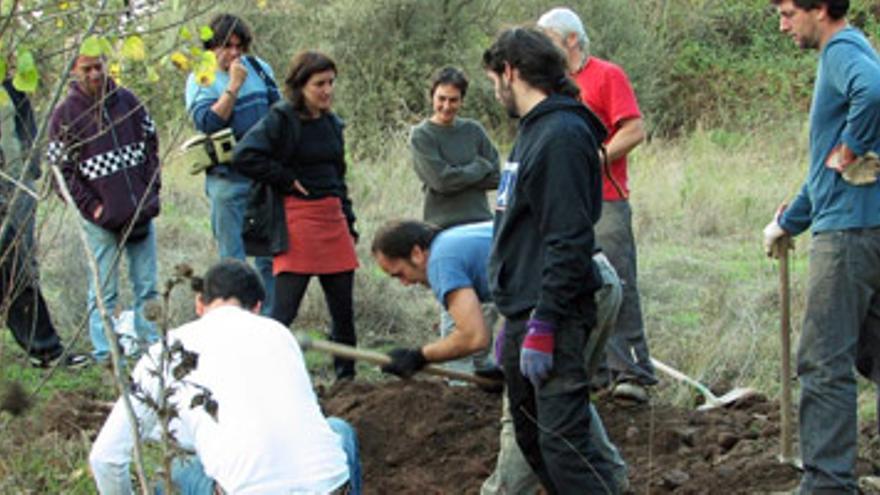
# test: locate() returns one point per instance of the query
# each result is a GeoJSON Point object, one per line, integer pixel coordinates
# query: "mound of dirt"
{"type": "Point", "coordinates": [424, 437]}
{"type": "Point", "coordinates": [72, 414]}
{"type": "Point", "coordinates": [419, 436]}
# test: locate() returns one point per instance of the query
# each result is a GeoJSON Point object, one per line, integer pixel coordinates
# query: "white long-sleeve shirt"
{"type": "Point", "coordinates": [269, 437]}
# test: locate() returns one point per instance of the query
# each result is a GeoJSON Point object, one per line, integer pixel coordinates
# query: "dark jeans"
{"type": "Point", "coordinates": [338, 288]}
{"type": "Point", "coordinates": [26, 313]}
{"type": "Point", "coordinates": [626, 354]}
{"type": "Point", "coordinates": [552, 423]}
{"type": "Point", "coordinates": [842, 317]}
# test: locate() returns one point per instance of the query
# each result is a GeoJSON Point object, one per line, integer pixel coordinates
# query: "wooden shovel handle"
{"type": "Point", "coordinates": [380, 359]}
{"type": "Point", "coordinates": [786, 453]}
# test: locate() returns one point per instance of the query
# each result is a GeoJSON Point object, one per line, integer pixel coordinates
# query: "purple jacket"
{"type": "Point", "coordinates": [108, 153]}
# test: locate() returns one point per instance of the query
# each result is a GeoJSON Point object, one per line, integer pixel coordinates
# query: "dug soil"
{"type": "Point", "coordinates": [425, 438]}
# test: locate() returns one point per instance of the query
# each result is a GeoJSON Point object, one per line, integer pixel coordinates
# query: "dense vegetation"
{"type": "Point", "coordinates": [693, 62]}
{"type": "Point", "coordinates": [712, 76]}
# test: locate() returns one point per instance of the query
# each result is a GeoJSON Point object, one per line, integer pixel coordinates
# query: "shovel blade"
{"type": "Point", "coordinates": [730, 398]}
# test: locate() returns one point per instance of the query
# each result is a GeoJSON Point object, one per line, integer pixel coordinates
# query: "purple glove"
{"type": "Point", "coordinates": [536, 357]}
{"type": "Point", "coordinates": [499, 344]}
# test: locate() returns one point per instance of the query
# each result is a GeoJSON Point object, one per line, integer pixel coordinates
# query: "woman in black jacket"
{"type": "Point", "coordinates": [298, 149]}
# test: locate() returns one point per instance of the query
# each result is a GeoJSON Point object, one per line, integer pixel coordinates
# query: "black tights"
{"type": "Point", "coordinates": [27, 315]}
{"type": "Point", "coordinates": [338, 287]}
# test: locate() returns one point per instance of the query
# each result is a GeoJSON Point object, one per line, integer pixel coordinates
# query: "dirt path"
{"type": "Point", "coordinates": [421, 437]}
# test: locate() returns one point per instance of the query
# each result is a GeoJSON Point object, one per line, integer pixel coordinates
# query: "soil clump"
{"type": "Point", "coordinates": [425, 437]}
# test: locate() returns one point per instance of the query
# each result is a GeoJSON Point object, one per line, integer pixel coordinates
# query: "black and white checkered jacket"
{"type": "Point", "coordinates": [107, 149]}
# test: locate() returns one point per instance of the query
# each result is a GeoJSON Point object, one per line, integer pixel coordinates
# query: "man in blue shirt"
{"type": "Point", "coordinates": [842, 317]}
{"type": "Point", "coordinates": [453, 264]}
{"type": "Point", "coordinates": [241, 94]}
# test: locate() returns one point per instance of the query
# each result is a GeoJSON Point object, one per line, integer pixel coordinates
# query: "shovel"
{"type": "Point", "coordinates": [712, 401]}
{"type": "Point", "coordinates": [786, 454]}
{"type": "Point", "coordinates": [377, 358]}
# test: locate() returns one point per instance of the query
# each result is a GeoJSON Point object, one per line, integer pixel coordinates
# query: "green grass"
{"type": "Point", "coordinates": [709, 295]}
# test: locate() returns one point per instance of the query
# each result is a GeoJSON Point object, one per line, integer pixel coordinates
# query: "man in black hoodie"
{"type": "Point", "coordinates": [541, 273]}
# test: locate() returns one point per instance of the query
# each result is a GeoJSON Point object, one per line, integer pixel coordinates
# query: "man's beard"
{"type": "Point", "coordinates": [508, 99]}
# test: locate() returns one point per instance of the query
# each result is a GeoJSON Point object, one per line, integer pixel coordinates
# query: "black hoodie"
{"type": "Point", "coordinates": [548, 200]}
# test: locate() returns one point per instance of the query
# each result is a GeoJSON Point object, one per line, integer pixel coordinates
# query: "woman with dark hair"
{"type": "Point", "coordinates": [453, 156]}
{"type": "Point", "coordinates": [457, 164]}
{"type": "Point", "coordinates": [299, 150]}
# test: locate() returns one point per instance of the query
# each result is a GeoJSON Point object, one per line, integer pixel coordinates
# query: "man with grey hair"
{"type": "Point", "coordinates": [606, 90]}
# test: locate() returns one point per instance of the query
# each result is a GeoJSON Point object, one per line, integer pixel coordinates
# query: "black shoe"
{"type": "Point", "coordinates": [72, 361]}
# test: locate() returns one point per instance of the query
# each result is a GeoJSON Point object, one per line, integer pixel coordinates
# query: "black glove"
{"type": "Point", "coordinates": [405, 362]}
{"type": "Point", "coordinates": [493, 373]}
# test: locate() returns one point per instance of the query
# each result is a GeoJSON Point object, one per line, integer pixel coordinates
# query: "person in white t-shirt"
{"type": "Point", "coordinates": [264, 433]}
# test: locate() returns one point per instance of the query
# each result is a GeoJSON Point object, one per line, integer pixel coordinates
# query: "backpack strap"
{"type": "Point", "coordinates": [268, 81]}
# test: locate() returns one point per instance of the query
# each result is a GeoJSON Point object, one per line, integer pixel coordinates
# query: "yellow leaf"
{"type": "Point", "coordinates": [133, 48]}
{"type": "Point", "coordinates": [185, 34]}
{"type": "Point", "coordinates": [59, 23]}
{"type": "Point", "coordinates": [63, 5]}
{"type": "Point", "coordinates": [115, 70]}
{"type": "Point", "coordinates": [262, 4]}
{"type": "Point", "coordinates": [152, 75]}
{"type": "Point", "coordinates": [5, 101]}
{"type": "Point", "coordinates": [180, 61]}
{"type": "Point", "coordinates": [26, 74]}
{"type": "Point", "coordinates": [206, 33]}
{"type": "Point", "coordinates": [106, 47]}
{"type": "Point", "coordinates": [206, 68]}
{"type": "Point", "coordinates": [90, 47]}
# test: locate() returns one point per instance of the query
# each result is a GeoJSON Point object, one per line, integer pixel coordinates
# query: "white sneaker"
{"type": "Point", "coordinates": [630, 391]}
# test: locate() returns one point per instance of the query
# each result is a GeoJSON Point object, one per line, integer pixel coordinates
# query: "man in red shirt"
{"type": "Point", "coordinates": [606, 89]}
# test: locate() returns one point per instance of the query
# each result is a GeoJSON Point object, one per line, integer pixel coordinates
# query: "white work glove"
{"type": "Point", "coordinates": [772, 234]}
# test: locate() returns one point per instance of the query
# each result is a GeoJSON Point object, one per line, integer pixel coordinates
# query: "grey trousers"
{"type": "Point", "coordinates": [627, 357]}
{"type": "Point", "coordinates": [513, 474]}
{"type": "Point", "coordinates": [841, 330]}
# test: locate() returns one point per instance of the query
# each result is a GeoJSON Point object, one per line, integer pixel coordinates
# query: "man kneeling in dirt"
{"type": "Point", "coordinates": [452, 263]}
{"type": "Point", "coordinates": [264, 432]}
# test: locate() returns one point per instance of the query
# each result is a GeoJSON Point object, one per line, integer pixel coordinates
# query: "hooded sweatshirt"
{"type": "Point", "coordinates": [548, 200]}
{"type": "Point", "coordinates": [107, 149]}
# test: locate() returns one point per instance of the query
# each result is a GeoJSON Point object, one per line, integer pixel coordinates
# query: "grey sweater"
{"type": "Point", "coordinates": [457, 165]}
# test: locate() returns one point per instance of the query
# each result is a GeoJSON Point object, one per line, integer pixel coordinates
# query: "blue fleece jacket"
{"type": "Point", "coordinates": [845, 109]}
{"type": "Point", "coordinates": [253, 101]}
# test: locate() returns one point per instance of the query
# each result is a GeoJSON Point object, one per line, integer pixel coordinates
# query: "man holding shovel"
{"type": "Point", "coordinates": [452, 263]}
{"type": "Point", "coordinates": [840, 203]}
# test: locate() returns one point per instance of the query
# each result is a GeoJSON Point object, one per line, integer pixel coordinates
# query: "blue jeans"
{"type": "Point", "coordinates": [229, 195]}
{"type": "Point", "coordinates": [188, 474]}
{"type": "Point", "coordinates": [843, 304]}
{"type": "Point", "coordinates": [350, 446]}
{"type": "Point", "coordinates": [141, 258]}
